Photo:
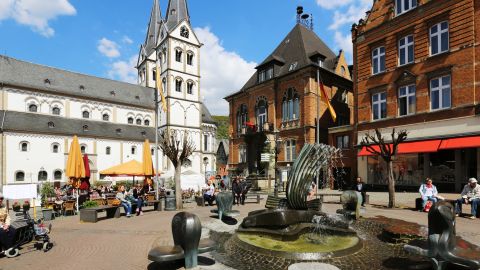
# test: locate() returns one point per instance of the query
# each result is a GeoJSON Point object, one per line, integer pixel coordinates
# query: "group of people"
{"type": "Point", "coordinates": [470, 195]}
{"type": "Point", "coordinates": [240, 188]}
{"type": "Point", "coordinates": [135, 194]}
{"type": "Point", "coordinates": [7, 232]}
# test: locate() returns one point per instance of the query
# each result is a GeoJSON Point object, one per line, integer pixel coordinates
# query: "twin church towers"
{"type": "Point", "coordinates": [172, 49]}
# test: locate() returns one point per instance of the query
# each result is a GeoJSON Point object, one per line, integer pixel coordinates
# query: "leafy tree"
{"type": "Point", "coordinates": [376, 145]}
{"type": "Point", "coordinates": [222, 126]}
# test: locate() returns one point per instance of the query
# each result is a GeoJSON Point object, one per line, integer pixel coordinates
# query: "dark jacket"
{"type": "Point", "coordinates": [236, 188]}
{"type": "Point", "coordinates": [138, 193]}
{"type": "Point", "coordinates": [362, 190]}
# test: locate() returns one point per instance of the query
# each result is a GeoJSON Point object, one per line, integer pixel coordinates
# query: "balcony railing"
{"type": "Point", "coordinates": [251, 129]}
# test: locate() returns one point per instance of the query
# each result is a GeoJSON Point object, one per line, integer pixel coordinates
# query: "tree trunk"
{"type": "Point", "coordinates": [178, 187]}
{"type": "Point", "coordinates": [391, 185]}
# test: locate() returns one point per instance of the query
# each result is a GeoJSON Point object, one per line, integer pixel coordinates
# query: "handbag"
{"type": "Point", "coordinates": [427, 207]}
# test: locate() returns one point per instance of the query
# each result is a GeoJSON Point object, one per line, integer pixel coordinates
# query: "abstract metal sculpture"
{"type": "Point", "coordinates": [351, 202]}
{"type": "Point", "coordinates": [224, 202]}
{"type": "Point", "coordinates": [442, 239]}
{"type": "Point", "coordinates": [186, 230]}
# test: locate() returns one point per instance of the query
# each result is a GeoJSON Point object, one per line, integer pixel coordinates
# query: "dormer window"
{"type": "Point", "coordinates": [402, 6]}
{"type": "Point", "coordinates": [269, 73]}
{"type": "Point", "coordinates": [47, 82]}
{"type": "Point", "coordinates": [293, 66]}
{"type": "Point", "coordinates": [261, 76]}
{"type": "Point", "coordinates": [320, 62]}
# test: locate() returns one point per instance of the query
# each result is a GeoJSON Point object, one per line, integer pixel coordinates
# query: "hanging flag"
{"type": "Point", "coordinates": [160, 90]}
{"type": "Point", "coordinates": [330, 107]}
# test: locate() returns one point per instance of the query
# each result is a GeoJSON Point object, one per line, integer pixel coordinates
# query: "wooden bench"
{"type": "Point", "coordinates": [323, 196]}
{"type": "Point", "coordinates": [157, 205]}
{"type": "Point", "coordinates": [91, 214]}
{"type": "Point", "coordinates": [254, 197]}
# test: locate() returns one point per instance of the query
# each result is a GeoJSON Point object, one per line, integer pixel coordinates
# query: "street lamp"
{"type": "Point", "coordinates": [278, 145]}
{"type": "Point", "coordinates": [205, 163]}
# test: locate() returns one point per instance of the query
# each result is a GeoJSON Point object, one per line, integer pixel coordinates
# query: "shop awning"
{"type": "Point", "coordinates": [409, 147]}
{"type": "Point", "coordinates": [457, 143]}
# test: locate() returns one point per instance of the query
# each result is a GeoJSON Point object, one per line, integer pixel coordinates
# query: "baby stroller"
{"type": "Point", "coordinates": [28, 230]}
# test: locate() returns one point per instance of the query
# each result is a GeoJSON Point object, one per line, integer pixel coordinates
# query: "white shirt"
{"type": "Point", "coordinates": [210, 190]}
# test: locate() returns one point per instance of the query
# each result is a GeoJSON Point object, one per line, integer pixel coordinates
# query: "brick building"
{"type": "Point", "coordinates": [278, 104]}
{"type": "Point", "coordinates": [416, 67]}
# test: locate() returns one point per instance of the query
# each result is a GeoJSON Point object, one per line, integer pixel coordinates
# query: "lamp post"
{"type": "Point", "coordinates": [278, 144]}
{"type": "Point", "coordinates": [205, 163]}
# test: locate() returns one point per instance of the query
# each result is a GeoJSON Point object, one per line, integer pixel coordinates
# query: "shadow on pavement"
{"type": "Point", "coordinates": [179, 264]}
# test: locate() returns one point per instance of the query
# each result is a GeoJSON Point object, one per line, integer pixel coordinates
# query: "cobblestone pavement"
{"type": "Point", "coordinates": [124, 243]}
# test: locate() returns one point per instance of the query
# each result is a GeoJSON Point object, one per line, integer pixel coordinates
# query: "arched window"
{"type": "Point", "coordinates": [24, 146]}
{"type": "Point", "coordinates": [86, 114]}
{"type": "Point", "coordinates": [83, 149]}
{"type": "Point", "coordinates": [106, 117]}
{"type": "Point", "coordinates": [147, 122]}
{"type": "Point", "coordinates": [57, 175]}
{"type": "Point", "coordinates": [152, 151]}
{"type": "Point", "coordinates": [133, 150]}
{"type": "Point", "coordinates": [42, 176]}
{"type": "Point", "coordinates": [130, 120]}
{"type": "Point", "coordinates": [56, 111]}
{"type": "Point", "coordinates": [32, 108]}
{"type": "Point", "coordinates": [290, 105]}
{"type": "Point", "coordinates": [51, 125]}
{"type": "Point", "coordinates": [242, 116]}
{"type": "Point", "coordinates": [178, 85]}
{"type": "Point", "coordinates": [139, 121]}
{"type": "Point", "coordinates": [261, 113]}
{"type": "Point", "coordinates": [190, 87]}
{"type": "Point", "coordinates": [55, 148]}
{"type": "Point", "coordinates": [190, 58]}
{"type": "Point", "coordinates": [19, 176]}
{"type": "Point", "coordinates": [108, 150]}
{"type": "Point", "coordinates": [178, 55]}
{"type": "Point", "coordinates": [164, 85]}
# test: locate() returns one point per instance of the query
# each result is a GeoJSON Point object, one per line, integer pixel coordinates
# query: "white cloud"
{"type": "Point", "coordinates": [346, 12]}
{"type": "Point", "coordinates": [124, 70]}
{"type": "Point", "coordinates": [108, 48]}
{"type": "Point", "coordinates": [222, 71]}
{"type": "Point", "coordinates": [127, 40]}
{"type": "Point", "coordinates": [35, 13]}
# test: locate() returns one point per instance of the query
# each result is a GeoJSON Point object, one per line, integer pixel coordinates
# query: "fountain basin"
{"type": "Point", "coordinates": [306, 245]}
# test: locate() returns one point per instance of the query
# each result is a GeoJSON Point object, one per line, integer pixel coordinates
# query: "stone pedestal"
{"type": "Point", "coordinates": [312, 266]}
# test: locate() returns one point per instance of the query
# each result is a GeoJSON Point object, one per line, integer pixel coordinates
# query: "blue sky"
{"type": "Point", "coordinates": [102, 38]}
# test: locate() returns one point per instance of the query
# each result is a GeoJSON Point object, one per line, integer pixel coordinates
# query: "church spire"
{"type": "Point", "coordinates": [153, 28]}
{"type": "Point", "coordinates": [177, 12]}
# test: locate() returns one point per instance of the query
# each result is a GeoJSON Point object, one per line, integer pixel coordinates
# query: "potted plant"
{"type": "Point", "coordinates": [46, 192]}
{"type": "Point", "coordinates": [199, 198]}
{"type": "Point", "coordinates": [16, 207]}
{"type": "Point", "coordinates": [26, 206]}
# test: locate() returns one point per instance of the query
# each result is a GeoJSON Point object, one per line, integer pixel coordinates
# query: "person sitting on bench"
{"type": "Point", "coordinates": [245, 186]}
{"type": "Point", "coordinates": [122, 196]}
{"type": "Point", "coordinates": [209, 193]}
{"type": "Point", "coordinates": [139, 195]}
{"type": "Point", "coordinates": [359, 186]}
{"type": "Point", "coordinates": [429, 192]}
{"type": "Point", "coordinates": [7, 233]}
{"type": "Point", "coordinates": [470, 195]}
{"type": "Point", "coordinates": [237, 190]}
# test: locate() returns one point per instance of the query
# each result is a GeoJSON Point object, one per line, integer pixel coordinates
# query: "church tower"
{"type": "Point", "coordinates": [172, 46]}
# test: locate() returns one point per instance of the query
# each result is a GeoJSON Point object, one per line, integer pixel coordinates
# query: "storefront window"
{"type": "Point", "coordinates": [442, 166]}
{"type": "Point", "coordinates": [407, 170]}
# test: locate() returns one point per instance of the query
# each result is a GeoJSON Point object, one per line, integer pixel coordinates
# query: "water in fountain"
{"type": "Point", "coordinates": [317, 233]}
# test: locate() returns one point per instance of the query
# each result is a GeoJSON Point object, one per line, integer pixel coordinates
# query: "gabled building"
{"type": "Point", "coordinates": [416, 69]}
{"type": "Point", "coordinates": [281, 104]}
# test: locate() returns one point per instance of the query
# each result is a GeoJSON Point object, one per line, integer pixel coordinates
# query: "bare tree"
{"type": "Point", "coordinates": [387, 151]}
{"type": "Point", "coordinates": [178, 150]}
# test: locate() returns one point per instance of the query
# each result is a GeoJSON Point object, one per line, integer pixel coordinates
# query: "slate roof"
{"type": "Point", "coordinates": [206, 116]}
{"type": "Point", "coordinates": [153, 29]}
{"type": "Point", "coordinates": [38, 124]}
{"type": "Point", "coordinates": [181, 13]}
{"type": "Point", "coordinates": [57, 81]}
{"type": "Point", "coordinates": [225, 144]}
{"type": "Point", "coordinates": [297, 47]}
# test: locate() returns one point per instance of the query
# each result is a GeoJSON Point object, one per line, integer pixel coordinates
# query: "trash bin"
{"type": "Point", "coordinates": [170, 202]}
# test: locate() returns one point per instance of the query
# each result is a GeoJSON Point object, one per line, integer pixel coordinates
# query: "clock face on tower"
{"type": "Point", "coordinates": [184, 32]}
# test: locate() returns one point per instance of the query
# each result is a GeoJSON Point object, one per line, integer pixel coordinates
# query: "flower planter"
{"type": "Point", "coordinates": [26, 207]}
{"type": "Point", "coordinates": [16, 208]}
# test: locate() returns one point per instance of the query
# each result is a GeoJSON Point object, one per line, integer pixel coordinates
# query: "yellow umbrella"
{"type": "Point", "coordinates": [147, 161]}
{"type": "Point", "coordinates": [75, 166]}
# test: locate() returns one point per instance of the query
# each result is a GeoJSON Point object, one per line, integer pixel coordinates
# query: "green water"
{"type": "Point", "coordinates": [301, 245]}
